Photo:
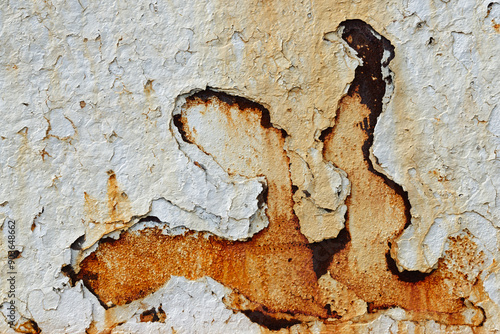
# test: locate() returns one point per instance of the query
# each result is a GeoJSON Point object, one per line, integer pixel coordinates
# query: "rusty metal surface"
{"type": "Point", "coordinates": [250, 167]}
{"type": "Point", "coordinates": [274, 270]}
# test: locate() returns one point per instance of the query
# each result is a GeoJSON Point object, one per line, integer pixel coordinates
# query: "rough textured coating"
{"type": "Point", "coordinates": [250, 166]}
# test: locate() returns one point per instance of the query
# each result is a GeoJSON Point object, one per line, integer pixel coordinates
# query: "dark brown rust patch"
{"type": "Point", "coordinates": [149, 316]}
{"type": "Point", "coordinates": [150, 219]}
{"type": "Point", "coordinates": [324, 251]}
{"type": "Point", "coordinates": [269, 322]}
{"type": "Point", "coordinates": [161, 314]}
{"type": "Point", "coordinates": [77, 244]}
{"type": "Point", "coordinates": [369, 82]}
{"type": "Point", "coordinates": [15, 254]}
{"type": "Point", "coordinates": [69, 272]}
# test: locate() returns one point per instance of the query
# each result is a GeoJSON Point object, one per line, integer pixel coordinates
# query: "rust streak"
{"type": "Point", "coordinates": [273, 269]}
{"type": "Point", "coordinates": [28, 327]}
{"type": "Point", "coordinates": [496, 26]}
{"type": "Point", "coordinates": [118, 202]}
{"type": "Point", "coordinates": [364, 264]}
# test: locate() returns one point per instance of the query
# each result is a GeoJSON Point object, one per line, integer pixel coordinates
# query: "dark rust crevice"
{"type": "Point", "coordinates": [262, 197]}
{"type": "Point", "coordinates": [323, 251]}
{"type": "Point", "coordinates": [268, 321]}
{"type": "Point", "coordinates": [481, 324]}
{"type": "Point", "coordinates": [177, 120]}
{"type": "Point", "coordinates": [328, 131]}
{"type": "Point", "coordinates": [150, 219]}
{"type": "Point", "coordinates": [332, 313]}
{"type": "Point", "coordinates": [78, 243]}
{"type": "Point", "coordinates": [149, 316]}
{"type": "Point", "coordinates": [241, 102]}
{"type": "Point", "coordinates": [69, 272]}
{"type": "Point", "coordinates": [370, 84]}
{"type": "Point", "coordinates": [410, 276]}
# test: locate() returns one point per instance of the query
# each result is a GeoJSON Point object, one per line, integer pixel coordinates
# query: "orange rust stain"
{"type": "Point", "coordinates": [496, 26]}
{"type": "Point", "coordinates": [273, 269]}
{"type": "Point", "coordinates": [139, 263]}
{"type": "Point", "coordinates": [82, 104]}
{"type": "Point", "coordinates": [439, 175]}
{"type": "Point", "coordinates": [117, 201]}
{"type": "Point", "coordinates": [28, 327]}
{"type": "Point", "coordinates": [44, 153]}
{"type": "Point", "coordinates": [362, 265]}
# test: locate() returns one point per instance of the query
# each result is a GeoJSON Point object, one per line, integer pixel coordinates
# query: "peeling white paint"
{"type": "Point", "coordinates": [91, 86]}
{"type": "Point", "coordinates": [68, 312]}
{"type": "Point", "coordinates": [185, 303]}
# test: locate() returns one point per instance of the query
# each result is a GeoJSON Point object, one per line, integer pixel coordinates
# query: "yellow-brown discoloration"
{"type": "Point", "coordinates": [273, 272]}
{"type": "Point", "coordinates": [118, 202]}
{"type": "Point", "coordinates": [495, 25]}
{"type": "Point", "coordinates": [376, 216]}
{"type": "Point", "coordinates": [90, 205]}
{"type": "Point", "coordinates": [273, 269]}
